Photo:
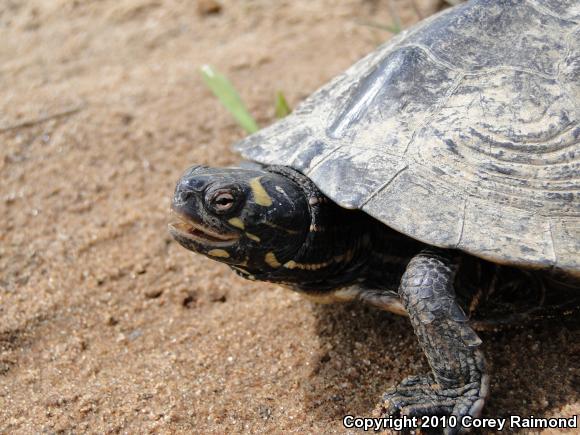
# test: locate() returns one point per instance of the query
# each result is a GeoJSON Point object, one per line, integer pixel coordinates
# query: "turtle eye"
{"type": "Point", "coordinates": [222, 201]}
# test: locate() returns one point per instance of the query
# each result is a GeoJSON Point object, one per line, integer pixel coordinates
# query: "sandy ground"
{"type": "Point", "coordinates": [106, 324]}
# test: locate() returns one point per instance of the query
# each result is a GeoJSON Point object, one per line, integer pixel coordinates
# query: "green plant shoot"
{"type": "Point", "coordinates": [223, 89]}
{"type": "Point", "coordinates": [282, 107]}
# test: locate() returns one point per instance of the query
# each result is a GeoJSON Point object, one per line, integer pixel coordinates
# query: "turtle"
{"type": "Point", "coordinates": [437, 178]}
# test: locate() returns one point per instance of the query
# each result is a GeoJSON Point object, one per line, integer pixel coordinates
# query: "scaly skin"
{"type": "Point", "coordinates": [459, 384]}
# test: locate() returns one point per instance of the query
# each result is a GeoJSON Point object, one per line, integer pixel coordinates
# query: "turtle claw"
{"type": "Point", "coordinates": [421, 396]}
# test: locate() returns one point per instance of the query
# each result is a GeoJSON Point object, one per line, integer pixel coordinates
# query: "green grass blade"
{"type": "Point", "coordinates": [282, 107]}
{"type": "Point", "coordinates": [223, 89]}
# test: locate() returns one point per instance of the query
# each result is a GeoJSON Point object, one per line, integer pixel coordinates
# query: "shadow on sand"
{"type": "Point", "coordinates": [535, 369]}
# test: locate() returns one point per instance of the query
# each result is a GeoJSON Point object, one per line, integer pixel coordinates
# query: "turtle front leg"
{"type": "Point", "coordinates": [458, 384]}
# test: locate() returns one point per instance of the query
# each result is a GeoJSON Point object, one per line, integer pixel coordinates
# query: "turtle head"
{"type": "Point", "coordinates": [253, 220]}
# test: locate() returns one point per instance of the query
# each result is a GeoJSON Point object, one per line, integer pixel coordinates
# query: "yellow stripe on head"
{"type": "Point", "coordinates": [271, 260]}
{"type": "Point", "coordinates": [236, 222]}
{"type": "Point", "coordinates": [260, 195]}
{"type": "Point", "coordinates": [253, 237]}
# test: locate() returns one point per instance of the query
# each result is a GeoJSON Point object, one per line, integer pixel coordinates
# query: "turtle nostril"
{"type": "Point", "coordinates": [184, 192]}
{"type": "Point", "coordinates": [185, 196]}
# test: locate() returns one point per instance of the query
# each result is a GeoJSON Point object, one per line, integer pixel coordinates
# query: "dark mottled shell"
{"type": "Point", "coordinates": [462, 132]}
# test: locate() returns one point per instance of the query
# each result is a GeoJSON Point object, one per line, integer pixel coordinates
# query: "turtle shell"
{"type": "Point", "coordinates": [462, 132]}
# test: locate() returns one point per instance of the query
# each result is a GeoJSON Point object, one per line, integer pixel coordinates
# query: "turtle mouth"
{"type": "Point", "coordinates": [182, 226]}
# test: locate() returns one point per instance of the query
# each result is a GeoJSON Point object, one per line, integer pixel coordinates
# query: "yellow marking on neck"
{"type": "Point", "coordinates": [308, 266]}
{"type": "Point", "coordinates": [236, 222]}
{"type": "Point", "coordinates": [253, 237]}
{"type": "Point", "coordinates": [218, 253]}
{"type": "Point", "coordinates": [260, 194]}
{"type": "Point", "coordinates": [346, 257]}
{"type": "Point", "coordinates": [271, 260]}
